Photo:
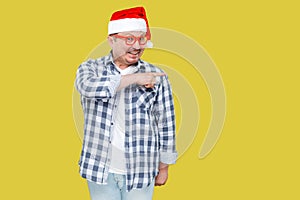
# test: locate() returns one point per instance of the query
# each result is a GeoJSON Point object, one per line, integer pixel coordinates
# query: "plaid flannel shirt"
{"type": "Point", "coordinates": [149, 124]}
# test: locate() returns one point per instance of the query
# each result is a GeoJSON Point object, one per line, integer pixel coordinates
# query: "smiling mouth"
{"type": "Point", "coordinates": [135, 52]}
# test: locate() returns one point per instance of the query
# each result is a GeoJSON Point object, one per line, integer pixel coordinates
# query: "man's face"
{"type": "Point", "coordinates": [125, 53]}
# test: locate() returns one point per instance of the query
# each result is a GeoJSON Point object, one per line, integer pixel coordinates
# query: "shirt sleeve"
{"type": "Point", "coordinates": [166, 123]}
{"type": "Point", "coordinates": [92, 84]}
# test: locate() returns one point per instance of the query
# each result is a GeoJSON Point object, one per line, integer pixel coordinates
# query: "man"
{"type": "Point", "coordinates": [129, 125]}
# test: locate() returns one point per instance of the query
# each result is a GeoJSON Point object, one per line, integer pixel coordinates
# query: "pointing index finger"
{"type": "Point", "coordinates": [158, 74]}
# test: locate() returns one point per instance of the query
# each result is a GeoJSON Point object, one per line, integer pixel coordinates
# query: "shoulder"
{"type": "Point", "coordinates": [149, 67]}
{"type": "Point", "coordinates": [90, 62]}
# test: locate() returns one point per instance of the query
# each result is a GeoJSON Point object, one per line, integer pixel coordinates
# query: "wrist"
{"type": "Point", "coordinates": [163, 166]}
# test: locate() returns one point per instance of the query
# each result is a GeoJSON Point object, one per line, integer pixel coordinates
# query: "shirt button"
{"type": "Point", "coordinates": [111, 123]}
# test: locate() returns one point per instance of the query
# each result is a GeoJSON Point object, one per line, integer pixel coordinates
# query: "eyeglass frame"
{"type": "Point", "coordinates": [131, 36]}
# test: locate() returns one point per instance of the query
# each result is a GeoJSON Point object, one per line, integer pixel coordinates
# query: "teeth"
{"type": "Point", "coordinates": [134, 53]}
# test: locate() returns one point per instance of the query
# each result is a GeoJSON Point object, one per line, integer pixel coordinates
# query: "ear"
{"type": "Point", "coordinates": [110, 40]}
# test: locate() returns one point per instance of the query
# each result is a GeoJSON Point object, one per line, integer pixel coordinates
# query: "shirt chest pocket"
{"type": "Point", "coordinates": [144, 97]}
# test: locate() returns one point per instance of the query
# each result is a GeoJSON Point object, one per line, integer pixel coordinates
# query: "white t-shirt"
{"type": "Point", "coordinates": [118, 161]}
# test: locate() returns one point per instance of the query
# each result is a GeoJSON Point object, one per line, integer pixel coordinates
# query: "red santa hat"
{"type": "Point", "coordinates": [132, 19]}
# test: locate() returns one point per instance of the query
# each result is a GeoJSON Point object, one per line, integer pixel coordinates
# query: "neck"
{"type": "Point", "coordinates": [121, 65]}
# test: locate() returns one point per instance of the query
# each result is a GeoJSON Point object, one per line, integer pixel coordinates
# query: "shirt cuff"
{"type": "Point", "coordinates": [168, 158]}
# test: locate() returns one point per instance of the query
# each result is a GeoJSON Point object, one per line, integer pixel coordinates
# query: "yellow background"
{"type": "Point", "coordinates": [255, 45]}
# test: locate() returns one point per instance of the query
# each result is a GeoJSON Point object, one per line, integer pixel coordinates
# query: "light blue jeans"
{"type": "Point", "coordinates": [116, 190]}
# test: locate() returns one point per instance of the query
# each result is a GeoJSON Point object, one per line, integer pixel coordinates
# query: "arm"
{"type": "Point", "coordinates": [103, 86]}
{"type": "Point", "coordinates": [166, 125]}
{"type": "Point", "coordinates": [90, 84]}
{"type": "Point", "coordinates": [146, 79]}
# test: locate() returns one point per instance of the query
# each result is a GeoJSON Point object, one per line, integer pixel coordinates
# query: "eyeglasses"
{"type": "Point", "coordinates": [131, 40]}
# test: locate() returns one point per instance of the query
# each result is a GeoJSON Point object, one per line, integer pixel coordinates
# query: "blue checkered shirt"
{"type": "Point", "coordinates": [149, 122]}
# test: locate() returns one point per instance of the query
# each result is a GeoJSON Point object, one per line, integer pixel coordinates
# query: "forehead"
{"type": "Point", "coordinates": [134, 33]}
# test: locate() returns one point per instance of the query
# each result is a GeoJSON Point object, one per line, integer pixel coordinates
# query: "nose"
{"type": "Point", "coordinates": [136, 45]}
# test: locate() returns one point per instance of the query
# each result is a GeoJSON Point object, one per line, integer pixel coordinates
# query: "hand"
{"type": "Point", "coordinates": [162, 176]}
{"type": "Point", "coordinates": [147, 79]}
